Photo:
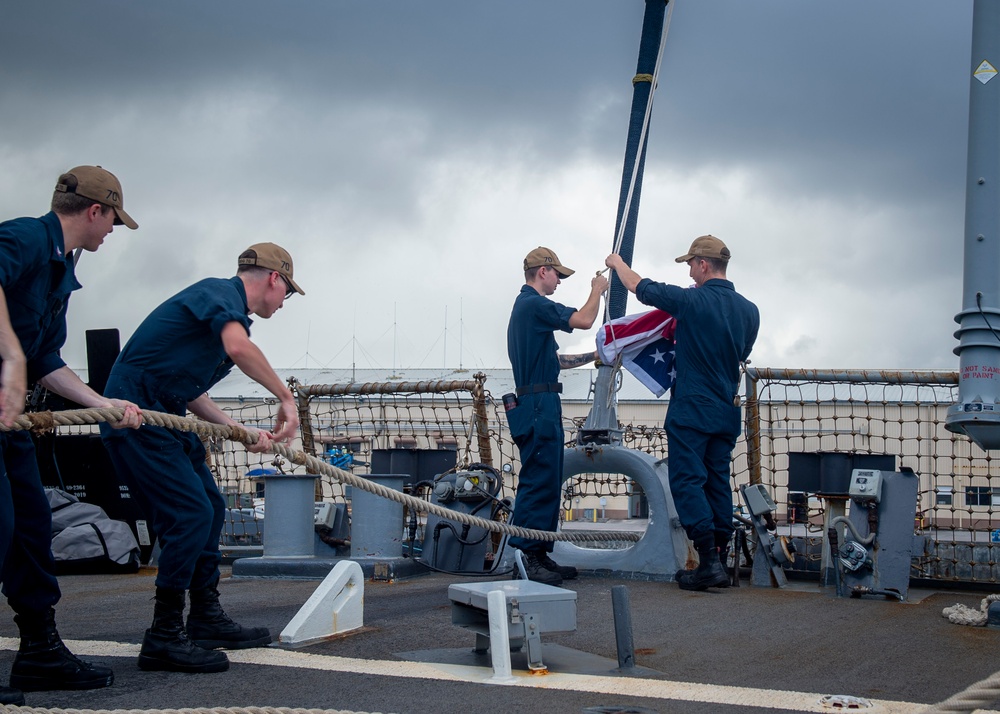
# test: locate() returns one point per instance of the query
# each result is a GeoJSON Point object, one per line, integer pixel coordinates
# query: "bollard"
{"type": "Point", "coordinates": [290, 539]}
{"type": "Point", "coordinates": [289, 514]}
{"type": "Point", "coordinates": [993, 615]}
{"type": "Point", "coordinates": [623, 627]}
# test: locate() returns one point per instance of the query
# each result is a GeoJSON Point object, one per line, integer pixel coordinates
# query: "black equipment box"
{"type": "Point", "coordinates": [829, 472]}
{"type": "Point", "coordinates": [418, 464]}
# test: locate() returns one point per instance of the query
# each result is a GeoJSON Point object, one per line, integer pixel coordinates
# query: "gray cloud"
{"type": "Point", "coordinates": [409, 154]}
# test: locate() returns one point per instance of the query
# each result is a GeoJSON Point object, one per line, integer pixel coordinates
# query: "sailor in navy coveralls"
{"type": "Point", "coordinates": [716, 329]}
{"type": "Point", "coordinates": [177, 354]}
{"type": "Point", "coordinates": [37, 276]}
{"type": "Point", "coordinates": [536, 421]}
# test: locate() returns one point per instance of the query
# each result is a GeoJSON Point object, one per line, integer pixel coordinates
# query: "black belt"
{"type": "Point", "coordinates": [536, 388]}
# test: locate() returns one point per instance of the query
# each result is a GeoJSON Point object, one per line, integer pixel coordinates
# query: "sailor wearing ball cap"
{"type": "Point", "coordinates": [716, 329]}
{"type": "Point", "coordinates": [37, 276]}
{"type": "Point", "coordinates": [186, 346]}
{"type": "Point", "coordinates": [534, 412]}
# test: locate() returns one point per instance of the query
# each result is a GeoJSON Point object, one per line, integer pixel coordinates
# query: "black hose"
{"type": "Point", "coordinates": [862, 590]}
{"type": "Point", "coordinates": [835, 560]}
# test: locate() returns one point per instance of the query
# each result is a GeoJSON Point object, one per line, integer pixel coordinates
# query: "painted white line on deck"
{"type": "Point", "coordinates": [620, 686]}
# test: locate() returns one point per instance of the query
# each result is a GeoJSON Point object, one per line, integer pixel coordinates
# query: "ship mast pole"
{"type": "Point", "coordinates": [977, 412]}
{"type": "Point", "coordinates": [602, 422]}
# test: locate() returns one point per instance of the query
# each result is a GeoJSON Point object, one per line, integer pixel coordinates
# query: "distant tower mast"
{"type": "Point", "coordinates": [977, 413]}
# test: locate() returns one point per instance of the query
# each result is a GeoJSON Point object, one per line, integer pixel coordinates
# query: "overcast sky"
{"type": "Point", "coordinates": [409, 154]}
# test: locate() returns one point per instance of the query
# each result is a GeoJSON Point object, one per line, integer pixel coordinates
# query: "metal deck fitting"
{"type": "Point", "coordinates": [531, 609]}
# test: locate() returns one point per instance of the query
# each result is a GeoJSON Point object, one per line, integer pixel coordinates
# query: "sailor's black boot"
{"type": "Point", "coordinates": [166, 646]}
{"type": "Point", "coordinates": [535, 570]}
{"type": "Point", "coordinates": [43, 663]}
{"type": "Point", "coordinates": [709, 573]}
{"type": "Point", "coordinates": [210, 627]}
{"type": "Point", "coordinates": [566, 572]}
{"type": "Point", "coordinates": [11, 697]}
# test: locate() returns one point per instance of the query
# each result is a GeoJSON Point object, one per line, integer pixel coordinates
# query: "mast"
{"type": "Point", "coordinates": [635, 145]}
{"type": "Point", "coordinates": [602, 422]}
{"type": "Point", "coordinates": [977, 412]}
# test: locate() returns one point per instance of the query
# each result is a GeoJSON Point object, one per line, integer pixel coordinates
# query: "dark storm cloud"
{"type": "Point", "coordinates": [469, 65]}
{"type": "Point", "coordinates": [844, 97]}
{"type": "Point", "coordinates": [440, 140]}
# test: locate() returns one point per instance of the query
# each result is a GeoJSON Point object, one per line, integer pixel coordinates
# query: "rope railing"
{"type": "Point", "coordinates": [440, 385]}
{"type": "Point", "coordinates": [41, 422]}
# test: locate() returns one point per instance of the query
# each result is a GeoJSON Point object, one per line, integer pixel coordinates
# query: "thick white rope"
{"type": "Point", "coordinates": [964, 615]}
{"type": "Point", "coordinates": [44, 421]}
{"type": "Point", "coordinates": [976, 696]}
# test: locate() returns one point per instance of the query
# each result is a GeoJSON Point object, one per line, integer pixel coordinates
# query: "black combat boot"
{"type": "Point", "coordinates": [166, 646]}
{"type": "Point", "coordinates": [11, 697]}
{"type": "Point", "coordinates": [709, 573]}
{"type": "Point", "coordinates": [43, 663]}
{"type": "Point", "coordinates": [210, 627]}
{"type": "Point", "coordinates": [566, 572]}
{"type": "Point", "coordinates": [535, 569]}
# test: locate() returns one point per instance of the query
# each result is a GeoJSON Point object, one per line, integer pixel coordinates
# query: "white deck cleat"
{"type": "Point", "coordinates": [334, 608]}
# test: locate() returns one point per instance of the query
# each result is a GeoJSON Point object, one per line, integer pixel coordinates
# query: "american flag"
{"type": "Point", "coordinates": [646, 344]}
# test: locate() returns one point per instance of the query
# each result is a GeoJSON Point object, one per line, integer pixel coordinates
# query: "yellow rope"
{"type": "Point", "coordinates": [47, 421]}
{"type": "Point", "coordinates": [642, 78]}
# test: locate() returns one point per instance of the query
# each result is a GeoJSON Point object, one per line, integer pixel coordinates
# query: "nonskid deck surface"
{"type": "Point", "coordinates": [741, 649]}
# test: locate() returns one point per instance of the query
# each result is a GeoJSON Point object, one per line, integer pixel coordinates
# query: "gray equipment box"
{"type": "Point", "coordinates": [532, 608]}
{"type": "Point", "coordinates": [886, 567]}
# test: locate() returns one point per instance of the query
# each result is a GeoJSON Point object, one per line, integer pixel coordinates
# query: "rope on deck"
{"type": "Point", "coordinates": [976, 696]}
{"type": "Point", "coordinates": [982, 693]}
{"type": "Point", "coordinates": [41, 422]}
{"type": "Point", "coordinates": [964, 615]}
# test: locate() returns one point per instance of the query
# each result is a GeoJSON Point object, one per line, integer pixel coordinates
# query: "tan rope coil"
{"type": "Point", "coordinates": [78, 417]}
{"type": "Point", "coordinates": [964, 615]}
{"type": "Point", "coordinates": [976, 696]}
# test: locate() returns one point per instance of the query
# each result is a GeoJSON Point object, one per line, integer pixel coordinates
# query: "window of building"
{"type": "Point", "coordinates": [978, 496]}
{"type": "Point", "coordinates": [943, 496]}
{"type": "Point", "coordinates": [995, 497]}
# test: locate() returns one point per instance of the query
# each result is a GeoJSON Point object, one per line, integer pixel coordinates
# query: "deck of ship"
{"type": "Point", "coordinates": [741, 649]}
